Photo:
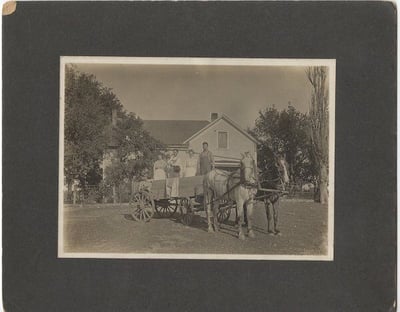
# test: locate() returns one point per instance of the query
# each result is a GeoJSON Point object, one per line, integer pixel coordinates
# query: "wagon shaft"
{"type": "Point", "coordinates": [273, 191]}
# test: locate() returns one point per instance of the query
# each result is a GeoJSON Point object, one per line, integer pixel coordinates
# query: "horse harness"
{"type": "Point", "coordinates": [230, 176]}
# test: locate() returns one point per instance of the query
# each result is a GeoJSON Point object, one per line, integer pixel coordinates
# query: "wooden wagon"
{"type": "Point", "coordinates": [152, 197]}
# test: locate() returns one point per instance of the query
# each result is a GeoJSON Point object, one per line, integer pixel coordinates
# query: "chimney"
{"type": "Point", "coordinates": [114, 117]}
{"type": "Point", "coordinates": [214, 116]}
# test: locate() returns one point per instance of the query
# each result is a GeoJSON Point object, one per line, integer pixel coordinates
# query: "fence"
{"type": "Point", "coordinates": [93, 194]}
{"type": "Point", "coordinates": [296, 190]}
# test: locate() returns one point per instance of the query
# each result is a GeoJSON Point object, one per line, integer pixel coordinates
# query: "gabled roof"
{"type": "Point", "coordinates": [229, 121]}
{"type": "Point", "coordinates": [173, 131]}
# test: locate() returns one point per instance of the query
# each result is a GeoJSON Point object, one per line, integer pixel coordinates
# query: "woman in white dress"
{"type": "Point", "coordinates": [191, 164]}
{"type": "Point", "coordinates": [159, 168]}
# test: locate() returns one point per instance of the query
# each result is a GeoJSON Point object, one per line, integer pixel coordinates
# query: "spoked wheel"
{"type": "Point", "coordinates": [224, 211]}
{"type": "Point", "coordinates": [142, 206]}
{"type": "Point", "coordinates": [186, 211]}
{"type": "Point", "coordinates": [166, 208]}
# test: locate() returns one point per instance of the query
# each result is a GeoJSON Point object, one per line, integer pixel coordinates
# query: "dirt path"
{"type": "Point", "coordinates": [111, 229]}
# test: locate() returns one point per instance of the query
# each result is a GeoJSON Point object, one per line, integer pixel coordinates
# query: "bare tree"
{"type": "Point", "coordinates": [319, 122]}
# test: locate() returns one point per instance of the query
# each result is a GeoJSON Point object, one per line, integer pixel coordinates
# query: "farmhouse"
{"type": "Point", "coordinates": [225, 138]}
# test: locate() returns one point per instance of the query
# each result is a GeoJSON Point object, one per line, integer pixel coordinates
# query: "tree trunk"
{"type": "Point", "coordinates": [132, 186]}
{"type": "Point", "coordinates": [291, 173]}
{"type": "Point", "coordinates": [69, 192]}
{"type": "Point", "coordinates": [74, 197]}
{"type": "Point", "coordinates": [323, 184]}
{"type": "Point", "coordinates": [319, 118]}
{"type": "Point", "coordinates": [114, 190]}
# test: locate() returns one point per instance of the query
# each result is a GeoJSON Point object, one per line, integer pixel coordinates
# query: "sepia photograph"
{"type": "Point", "coordinates": [193, 155]}
{"type": "Point", "coordinates": [196, 158]}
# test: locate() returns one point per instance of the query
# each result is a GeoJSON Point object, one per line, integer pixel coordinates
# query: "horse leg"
{"type": "Point", "coordinates": [245, 214]}
{"type": "Point", "coordinates": [269, 211]}
{"type": "Point", "coordinates": [275, 210]}
{"type": "Point", "coordinates": [236, 216]}
{"type": "Point", "coordinates": [250, 210]}
{"type": "Point", "coordinates": [240, 218]}
{"type": "Point", "coordinates": [215, 208]}
{"type": "Point", "coordinates": [207, 208]}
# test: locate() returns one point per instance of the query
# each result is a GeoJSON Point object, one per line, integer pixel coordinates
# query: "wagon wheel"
{"type": "Point", "coordinates": [166, 208]}
{"type": "Point", "coordinates": [142, 206]}
{"type": "Point", "coordinates": [224, 211]}
{"type": "Point", "coordinates": [186, 211]}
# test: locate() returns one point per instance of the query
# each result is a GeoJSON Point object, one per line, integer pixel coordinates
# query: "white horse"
{"type": "Point", "coordinates": [240, 186]}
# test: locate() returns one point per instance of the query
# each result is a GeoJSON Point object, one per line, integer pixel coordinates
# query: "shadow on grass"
{"type": "Point", "coordinates": [200, 223]}
{"type": "Point", "coordinates": [128, 217]}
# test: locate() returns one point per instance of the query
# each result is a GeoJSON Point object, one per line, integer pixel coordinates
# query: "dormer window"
{"type": "Point", "coordinates": [222, 139]}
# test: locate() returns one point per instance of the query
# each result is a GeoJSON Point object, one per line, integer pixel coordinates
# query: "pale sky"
{"type": "Point", "coordinates": [192, 92]}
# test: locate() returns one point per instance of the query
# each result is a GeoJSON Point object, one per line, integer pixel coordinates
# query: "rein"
{"type": "Point", "coordinates": [230, 175]}
{"type": "Point", "coordinates": [271, 180]}
{"type": "Point", "coordinates": [227, 192]}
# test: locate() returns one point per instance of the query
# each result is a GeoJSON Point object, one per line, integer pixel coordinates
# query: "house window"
{"type": "Point", "coordinates": [222, 139]}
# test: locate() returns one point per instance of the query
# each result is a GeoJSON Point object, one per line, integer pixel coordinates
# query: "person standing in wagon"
{"type": "Point", "coordinates": [176, 165]}
{"type": "Point", "coordinates": [206, 161]}
{"type": "Point", "coordinates": [159, 168]}
{"type": "Point", "coordinates": [190, 165]}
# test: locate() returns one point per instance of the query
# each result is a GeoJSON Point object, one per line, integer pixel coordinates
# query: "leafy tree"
{"type": "Point", "coordinates": [284, 133]}
{"type": "Point", "coordinates": [88, 106]}
{"type": "Point", "coordinates": [319, 126]}
{"type": "Point", "coordinates": [135, 150]}
{"type": "Point", "coordinates": [89, 130]}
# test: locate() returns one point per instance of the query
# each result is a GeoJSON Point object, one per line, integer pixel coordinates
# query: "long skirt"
{"type": "Point", "coordinates": [159, 174]}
